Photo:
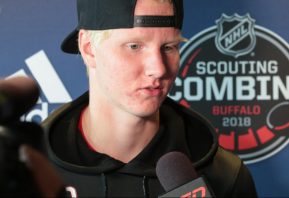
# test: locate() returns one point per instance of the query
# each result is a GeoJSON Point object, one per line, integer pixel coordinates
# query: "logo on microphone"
{"type": "Point", "coordinates": [194, 189]}
{"type": "Point", "coordinates": [54, 92]}
{"type": "Point", "coordinates": [199, 192]}
{"type": "Point", "coordinates": [236, 74]}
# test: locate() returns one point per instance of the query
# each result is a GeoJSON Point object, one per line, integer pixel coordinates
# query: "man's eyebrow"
{"type": "Point", "coordinates": [178, 40]}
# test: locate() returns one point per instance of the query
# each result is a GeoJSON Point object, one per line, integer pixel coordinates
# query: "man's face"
{"type": "Point", "coordinates": [135, 68]}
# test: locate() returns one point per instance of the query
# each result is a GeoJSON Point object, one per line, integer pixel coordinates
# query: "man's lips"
{"type": "Point", "coordinates": [153, 90]}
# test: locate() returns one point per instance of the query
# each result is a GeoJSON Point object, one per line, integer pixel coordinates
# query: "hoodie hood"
{"type": "Point", "coordinates": [92, 174]}
{"type": "Point", "coordinates": [181, 130]}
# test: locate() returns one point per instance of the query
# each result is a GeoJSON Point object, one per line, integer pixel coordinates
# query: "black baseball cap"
{"type": "Point", "coordinates": [115, 14]}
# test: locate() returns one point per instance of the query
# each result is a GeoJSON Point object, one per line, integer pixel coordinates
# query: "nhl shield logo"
{"type": "Point", "coordinates": [235, 35]}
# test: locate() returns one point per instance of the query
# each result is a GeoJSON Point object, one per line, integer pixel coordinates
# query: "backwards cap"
{"type": "Point", "coordinates": [115, 14]}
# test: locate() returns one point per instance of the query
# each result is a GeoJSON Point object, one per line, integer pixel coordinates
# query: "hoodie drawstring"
{"type": "Point", "coordinates": [104, 182]}
{"type": "Point", "coordinates": [145, 187]}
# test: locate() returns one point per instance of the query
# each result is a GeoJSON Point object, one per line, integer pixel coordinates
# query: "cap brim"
{"type": "Point", "coordinates": [70, 44]}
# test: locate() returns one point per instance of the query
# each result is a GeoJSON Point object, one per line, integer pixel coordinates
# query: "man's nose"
{"type": "Point", "coordinates": [155, 65]}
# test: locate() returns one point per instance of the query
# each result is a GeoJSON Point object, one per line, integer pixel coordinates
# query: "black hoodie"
{"type": "Point", "coordinates": [94, 174]}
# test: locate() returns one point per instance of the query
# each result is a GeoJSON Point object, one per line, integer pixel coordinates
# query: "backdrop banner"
{"type": "Point", "coordinates": [234, 70]}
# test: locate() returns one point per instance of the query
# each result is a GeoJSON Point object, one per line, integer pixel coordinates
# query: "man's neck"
{"type": "Point", "coordinates": [121, 137]}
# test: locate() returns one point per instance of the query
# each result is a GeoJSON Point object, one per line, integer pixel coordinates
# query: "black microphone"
{"type": "Point", "coordinates": [17, 96]}
{"type": "Point", "coordinates": [179, 178]}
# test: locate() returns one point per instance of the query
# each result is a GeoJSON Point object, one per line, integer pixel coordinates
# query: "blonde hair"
{"type": "Point", "coordinates": [97, 36]}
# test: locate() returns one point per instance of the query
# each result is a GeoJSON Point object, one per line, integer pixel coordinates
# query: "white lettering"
{"type": "Point", "coordinates": [279, 86]}
{"type": "Point", "coordinates": [219, 94]}
{"type": "Point", "coordinates": [236, 67]}
{"type": "Point", "coordinates": [232, 88]}
{"type": "Point", "coordinates": [37, 115]}
{"type": "Point", "coordinates": [198, 88]}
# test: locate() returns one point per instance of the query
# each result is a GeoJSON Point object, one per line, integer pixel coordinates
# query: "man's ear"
{"type": "Point", "coordinates": [85, 48]}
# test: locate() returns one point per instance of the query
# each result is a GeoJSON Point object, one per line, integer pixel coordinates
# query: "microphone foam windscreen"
{"type": "Point", "coordinates": [175, 169]}
{"type": "Point", "coordinates": [17, 95]}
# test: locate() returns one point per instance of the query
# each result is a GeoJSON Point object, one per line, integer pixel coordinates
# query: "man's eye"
{"type": "Point", "coordinates": [134, 46]}
{"type": "Point", "coordinates": [169, 48]}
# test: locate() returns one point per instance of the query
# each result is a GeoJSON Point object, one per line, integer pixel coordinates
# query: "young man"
{"type": "Point", "coordinates": [107, 142]}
